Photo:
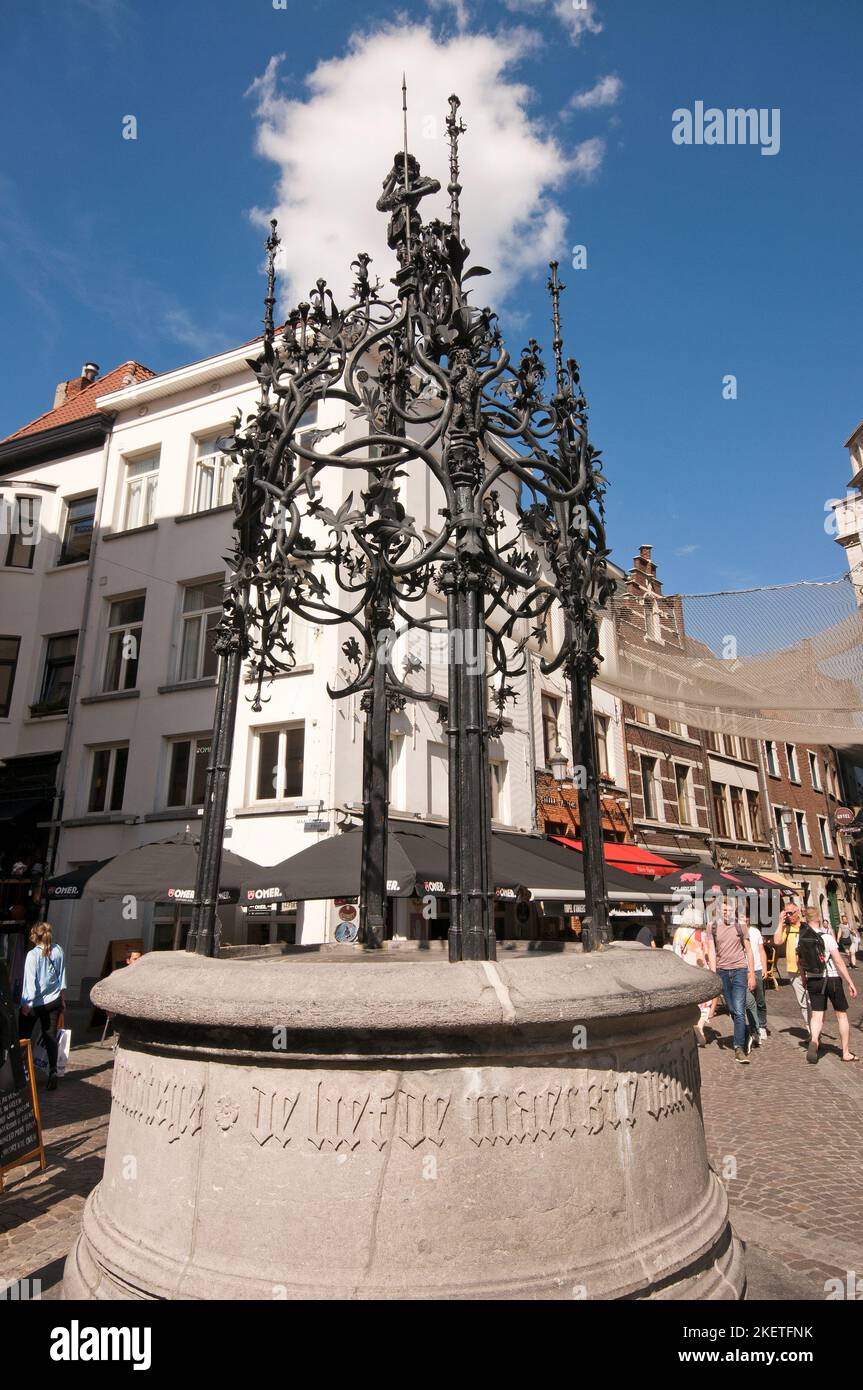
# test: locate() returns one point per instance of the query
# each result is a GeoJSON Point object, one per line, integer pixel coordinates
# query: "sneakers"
{"type": "Point", "coordinates": [740, 1056]}
{"type": "Point", "coordinates": [750, 1042]}
{"type": "Point", "coordinates": [764, 1034]}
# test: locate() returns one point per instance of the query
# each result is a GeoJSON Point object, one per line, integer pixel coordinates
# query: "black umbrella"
{"type": "Point", "coordinates": [162, 870]}
{"type": "Point", "coordinates": [70, 887]}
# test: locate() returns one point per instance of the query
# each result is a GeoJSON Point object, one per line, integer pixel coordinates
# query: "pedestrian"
{"type": "Point", "coordinates": [694, 944]}
{"type": "Point", "coordinates": [788, 933]}
{"type": "Point", "coordinates": [42, 994]}
{"type": "Point", "coordinates": [756, 1002]}
{"type": "Point", "coordinates": [855, 944]}
{"type": "Point", "coordinates": [824, 971]}
{"type": "Point", "coordinates": [735, 968]}
{"type": "Point", "coordinates": [843, 935]}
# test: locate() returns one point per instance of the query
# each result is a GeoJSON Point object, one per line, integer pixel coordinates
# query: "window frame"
{"type": "Point", "coordinates": [814, 772]}
{"type": "Point", "coordinates": [151, 493]}
{"type": "Point", "coordinates": [41, 703]}
{"type": "Point", "coordinates": [803, 840]}
{"type": "Point", "coordinates": [222, 465]}
{"type": "Point", "coordinates": [176, 741]}
{"type": "Point", "coordinates": [5, 664]}
{"type": "Point", "coordinates": [771, 756]}
{"type": "Point", "coordinates": [68, 504]}
{"type": "Point", "coordinates": [548, 698]}
{"type": "Point", "coordinates": [825, 836]}
{"type": "Point", "coordinates": [112, 749]}
{"type": "Point", "coordinates": [199, 617]}
{"type": "Point", "coordinates": [122, 629]}
{"type": "Point", "coordinates": [651, 786]}
{"type": "Point", "coordinates": [793, 764]}
{"type": "Point", "coordinates": [280, 794]}
{"type": "Point", "coordinates": [687, 816]}
{"type": "Point", "coordinates": [14, 538]}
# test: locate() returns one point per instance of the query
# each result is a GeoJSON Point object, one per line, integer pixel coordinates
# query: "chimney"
{"type": "Point", "coordinates": [67, 389]}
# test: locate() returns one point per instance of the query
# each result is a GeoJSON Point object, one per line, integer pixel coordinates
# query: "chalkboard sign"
{"type": "Point", "coordinates": [20, 1127]}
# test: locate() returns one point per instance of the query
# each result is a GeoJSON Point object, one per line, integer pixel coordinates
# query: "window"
{"type": "Point", "coordinates": [643, 716]}
{"type": "Point", "coordinates": [824, 832]}
{"type": "Point", "coordinates": [78, 530]}
{"type": "Point", "coordinates": [651, 790]}
{"type": "Point", "coordinates": [683, 792]}
{"type": "Point", "coordinates": [9, 647]}
{"type": "Point", "coordinates": [680, 730]}
{"type": "Point", "coordinates": [139, 500]}
{"type": "Point", "coordinates": [57, 674]}
{"type": "Point", "coordinates": [438, 779]}
{"type": "Point", "coordinates": [802, 832]}
{"type": "Point", "coordinates": [711, 740]}
{"type": "Point", "coordinates": [814, 771]}
{"type": "Point", "coordinates": [23, 522]}
{"type": "Point", "coordinates": [279, 763]}
{"type": "Point", "coordinates": [497, 787]}
{"type": "Point", "coordinates": [550, 729]}
{"type": "Point", "coordinates": [108, 778]}
{"type": "Point", "coordinates": [600, 724]}
{"type": "Point", "coordinates": [652, 624]}
{"type": "Point", "coordinates": [746, 751]}
{"type": "Point", "coordinates": [187, 771]}
{"type": "Point", "coordinates": [738, 819]}
{"type": "Point", "coordinates": [755, 815]}
{"type": "Point", "coordinates": [213, 478]}
{"type": "Point", "coordinates": [772, 758]}
{"type": "Point", "coordinates": [397, 748]}
{"type": "Point", "coordinates": [202, 612]}
{"type": "Point", "coordinates": [125, 624]}
{"type": "Point", "coordinates": [791, 755]}
{"type": "Point", "coordinates": [720, 809]}
{"type": "Point", "coordinates": [781, 829]}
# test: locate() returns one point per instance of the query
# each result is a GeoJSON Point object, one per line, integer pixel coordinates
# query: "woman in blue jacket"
{"type": "Point", "coordinates": [42, 994]}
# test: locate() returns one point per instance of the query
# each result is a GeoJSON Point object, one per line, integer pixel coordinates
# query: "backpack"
{"type": "Point", "coordinates": [811, 953]}
{"type": "Point", "coordinates": [740, 936]}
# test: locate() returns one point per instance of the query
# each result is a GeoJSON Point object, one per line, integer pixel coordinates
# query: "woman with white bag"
{"type": "Point", "coordinates": [42, 993]}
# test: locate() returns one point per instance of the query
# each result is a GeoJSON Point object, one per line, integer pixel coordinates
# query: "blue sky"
{"type": "Point", "coordinates": [702, 261]}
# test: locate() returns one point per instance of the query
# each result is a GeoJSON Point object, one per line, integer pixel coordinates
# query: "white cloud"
{"type": "Point", "coordinates": [605, 92]}
{"type": "Point", "coordinates": [687, 550]}
{"type": "Point", "coordinates": [577, 16]}
{"type": "Point", "coordinates": [334, 145]}
{"type": "Point", "coordinates": [588, 157]}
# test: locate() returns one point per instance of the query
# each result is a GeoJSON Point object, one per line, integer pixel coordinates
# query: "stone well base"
{"type": "Point", "coordinates": [338, 1125]}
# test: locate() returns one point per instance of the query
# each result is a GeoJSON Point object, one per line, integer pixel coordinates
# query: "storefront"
{"type": "Point", "coordinates": [557, 811]}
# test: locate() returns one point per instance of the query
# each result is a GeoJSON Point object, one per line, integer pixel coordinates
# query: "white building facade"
{"type": "Point", "coordinates": [120, 637]}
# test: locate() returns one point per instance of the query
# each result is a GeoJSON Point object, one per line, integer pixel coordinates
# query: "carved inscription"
{"type": "Point", "coordinates": [337, 1118]}
{"type": "Point", "coordinates": [158, 1100]}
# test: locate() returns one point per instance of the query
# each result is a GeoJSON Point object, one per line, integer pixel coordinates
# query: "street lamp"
{"type": "Point", "coordinates": [559, 767]}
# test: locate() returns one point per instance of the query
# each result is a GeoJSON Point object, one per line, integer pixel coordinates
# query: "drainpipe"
{"type": "Point", "coordinates": [59, 786]}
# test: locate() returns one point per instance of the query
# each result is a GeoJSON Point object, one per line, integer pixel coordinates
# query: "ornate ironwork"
{"type": "Point", "coordinates": [426, 381]}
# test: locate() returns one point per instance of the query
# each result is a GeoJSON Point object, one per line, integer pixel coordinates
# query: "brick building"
{"type": "Point", "coordinates": [804, 781]}
{"type": "Point", "coordinates": [666, 760]}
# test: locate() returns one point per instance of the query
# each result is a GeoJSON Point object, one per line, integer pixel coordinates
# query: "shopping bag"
{"type": "Point", "coordinates": [40, 1056]}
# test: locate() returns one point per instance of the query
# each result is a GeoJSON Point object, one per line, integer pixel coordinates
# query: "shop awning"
{"type": "Point", "coordinates": [164, 870]}
{"type": "Point", "coordinates": [418, 863]}
{"type": "Point", "coordinates": [782, 879]}
{"type": "Point", "coordinates": [635, 859]}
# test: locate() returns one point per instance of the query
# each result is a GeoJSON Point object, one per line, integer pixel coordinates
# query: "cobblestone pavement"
{"type": "Point", "coordinates": [785, 1136]}
{"type": "Point", "coordinates": [787, 1139]}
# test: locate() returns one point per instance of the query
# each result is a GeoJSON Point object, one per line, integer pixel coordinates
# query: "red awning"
{"type": "Point", "coordinates": [634, 858]}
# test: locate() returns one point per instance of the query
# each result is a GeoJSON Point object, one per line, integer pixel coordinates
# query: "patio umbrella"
{"type": "Point", "coordinates": [164, 870]}
{"type": "Point", "coordinates": [416, 863]}
{"type": "Point", "coordinates": [703, 876]}
{"type": "Point", "coordinates": [69, 887]}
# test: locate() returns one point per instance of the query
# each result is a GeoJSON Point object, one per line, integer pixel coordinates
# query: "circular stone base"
{"type": "Point", "coordinates": [336, 1124]}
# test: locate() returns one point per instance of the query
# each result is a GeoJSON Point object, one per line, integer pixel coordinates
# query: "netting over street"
{"type": "Point", "coordinates": [780, 662]}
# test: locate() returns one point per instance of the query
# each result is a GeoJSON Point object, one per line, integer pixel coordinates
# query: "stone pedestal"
{"type": "Point", "coordinates": [343, 1125]}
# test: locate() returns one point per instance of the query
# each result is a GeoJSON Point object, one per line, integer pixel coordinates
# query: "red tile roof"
{"type": "Point", "coordinates": [83, 403]}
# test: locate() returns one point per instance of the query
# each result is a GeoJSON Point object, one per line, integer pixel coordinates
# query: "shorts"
{"type": "Point", "coordinates": [824, 988]}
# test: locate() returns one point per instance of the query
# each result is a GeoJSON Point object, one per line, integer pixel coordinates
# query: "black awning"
{"type": "Point", "coordinates": [165, 870]}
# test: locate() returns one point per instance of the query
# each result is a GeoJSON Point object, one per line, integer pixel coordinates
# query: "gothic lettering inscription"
{"type": "Point", "coordinates": [152, 1099]}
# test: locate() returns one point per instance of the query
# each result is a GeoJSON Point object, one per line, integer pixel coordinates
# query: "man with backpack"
{"type": "Point", "coordinates": [823, 971]}
{"type": "Point", "coordinates": [735, 967]}
{"type": "Point", "coordinates": [787, 934]}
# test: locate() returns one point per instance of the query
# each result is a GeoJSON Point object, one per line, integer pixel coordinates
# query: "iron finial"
{"type": "Point", "coordinates": [554, 287]}
{"type": "Point", "coordinates": [272, 244]}
{"type": "Point", "coordinates": [455, 128]}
